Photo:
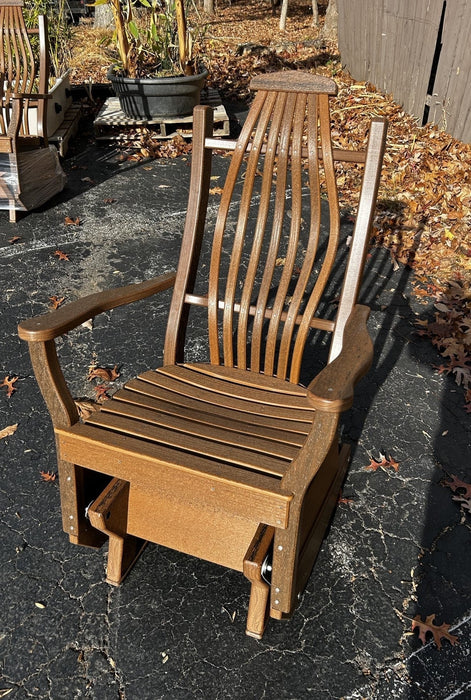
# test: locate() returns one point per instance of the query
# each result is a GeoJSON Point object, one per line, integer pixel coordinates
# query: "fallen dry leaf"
{"type": "Point", "coordinates": [48, 476]}
{"type": "Point", "coordinates": [103, 373]}
{"type": "Point", "coordinates": [383, 463]}
{"type": "Point", "coordinates": [14, 240]}
{"type": "Point", "coordinates": [56, 301]}
{"type": "Point", "coordinates": [110, 200]}
{"type": "Point", "coordinates": [61, 255]}
{"type": "Point", "coordinates": [438, 631]}
{"type": "Point", "coordinates": [216, 190]}
{"type": "Point", "coordinates": [68, 221]}
{"type": "Point", "coordinates": [100, 391]}
{"type": "Point", "coordinates": [465, 503]}
{"type": "Point", "coordinates": [456, 484]}
{"type": "Point", "coordinates": [86, 407]}
{"type": "Point", "coordinates": [9, 430]}
{"type": "Point", "coordinates": [344, 501]}
{"type": "Point", "coordinates": [8, 383]}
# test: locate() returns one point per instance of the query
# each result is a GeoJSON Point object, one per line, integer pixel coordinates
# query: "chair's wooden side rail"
{"type": "Point", "coordinates": [331, 392]}
{"type": "Point", "coordinates": [362, 231]}
{"type": "Point", "coordinates": [41, 331]}
{"type": "Point", "coordinates": [192, 234]}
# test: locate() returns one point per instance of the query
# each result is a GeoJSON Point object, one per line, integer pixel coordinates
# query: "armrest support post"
{"type": "Point", "coordinates": [52, 384]}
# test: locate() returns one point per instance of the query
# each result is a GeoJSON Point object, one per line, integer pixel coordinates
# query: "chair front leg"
{"type": "Point", "coordinates": [253, 570]}
{"type": "Point", "coordinates": [77, 488]}
{"type": "Point", "coordinates": [109, 514]}
{"type": "Point", "coordinates": [310, 479]}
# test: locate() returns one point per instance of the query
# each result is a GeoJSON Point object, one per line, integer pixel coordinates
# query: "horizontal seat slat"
{"type": "Point", "coordinates": [219, 398]}
{"type": "Point", "coordinates": [178, 442]}
{"type": "Point", "coordinates": [229, 420]}
{"type": "Point", "coordinates": [230, 382]}
{"type": "Point", "coordinates": [205, 431]}
{"type": "Point", "coordinates": [247, 379]}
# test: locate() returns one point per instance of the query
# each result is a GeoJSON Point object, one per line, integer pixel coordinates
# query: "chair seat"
{"type": "Point", "coordinates": [234, 417]}
{"type": "Point", "coordinates": [224, 436]}
{"type": "Point", "coordinates": [224, 427]}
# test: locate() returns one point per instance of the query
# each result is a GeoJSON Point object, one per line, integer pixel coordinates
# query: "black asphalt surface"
{"type": "Point", "coordinates": [174, 630]}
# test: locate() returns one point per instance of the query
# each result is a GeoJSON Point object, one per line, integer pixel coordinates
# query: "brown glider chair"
{"type": "Point", "coordinates": [232, 460]}
{"type": "Point", "coordinates": [30, 172]}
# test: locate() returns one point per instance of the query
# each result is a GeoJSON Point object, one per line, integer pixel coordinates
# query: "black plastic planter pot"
{"type": "Point", "coordinates": [151, 98]}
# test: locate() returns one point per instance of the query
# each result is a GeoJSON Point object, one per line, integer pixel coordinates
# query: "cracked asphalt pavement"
{"type": "Point", "coordinates": [397, 547]}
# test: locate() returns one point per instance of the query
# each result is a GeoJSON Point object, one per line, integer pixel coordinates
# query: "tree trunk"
{"type": "Point", "coordinates": [315, 14]}
{"type": "Point", "coordinates": [284, 12]}
{"type": "Point", "coordinates": [330, 30]}
{"type": "Point", "coordinates": [103, 17]}
{"type": "Point", "coordinates": [208, 7]}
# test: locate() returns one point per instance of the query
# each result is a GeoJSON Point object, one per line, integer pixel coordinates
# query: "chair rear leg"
{"type": "Point", "coordinates": [260, 589]}
{"type": "Point", "coordinates": [109, 514]}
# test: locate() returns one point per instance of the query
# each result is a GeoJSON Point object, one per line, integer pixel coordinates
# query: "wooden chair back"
{"type": "Point", "coordinates": [23, 72]}
{"type": "Point", "coordinates": [260, 316]}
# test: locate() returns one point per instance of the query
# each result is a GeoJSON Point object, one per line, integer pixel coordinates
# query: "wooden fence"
{"type": "Point", "coordinates": [417, 51]}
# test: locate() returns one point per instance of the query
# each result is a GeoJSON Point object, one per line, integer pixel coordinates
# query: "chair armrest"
{"type": "Point", "coordinates": [64, 319]}
{"type": "Point", "coordinates": [332, 390]}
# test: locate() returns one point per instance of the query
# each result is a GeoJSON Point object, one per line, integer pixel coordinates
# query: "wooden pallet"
{"type": "Point", "coordinates": [112, 124]}
{"type": "Point", "coordinates": [68, 128]}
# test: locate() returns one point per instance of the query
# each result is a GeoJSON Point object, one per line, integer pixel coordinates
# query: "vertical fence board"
{"type": "Point", "coordinates": [450, 101]}
{"type": "Point", "coordinates": [392, 44]}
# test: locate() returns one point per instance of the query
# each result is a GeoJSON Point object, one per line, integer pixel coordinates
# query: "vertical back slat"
{"type": "Point", "coordinates": [279, 204]}
{"type": "Point", "coordinates": [8, 54]}
{"type": "Point", "coordinates": [334, 220]}
{"type": "Point", "coordinates": [279, 110]}
{"type": "Point", "coordinates": [296, 219]}
{"type": "Point", "coordinates": [236, 162]}
{"type": "Point", "coordinates": [244, 209]}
